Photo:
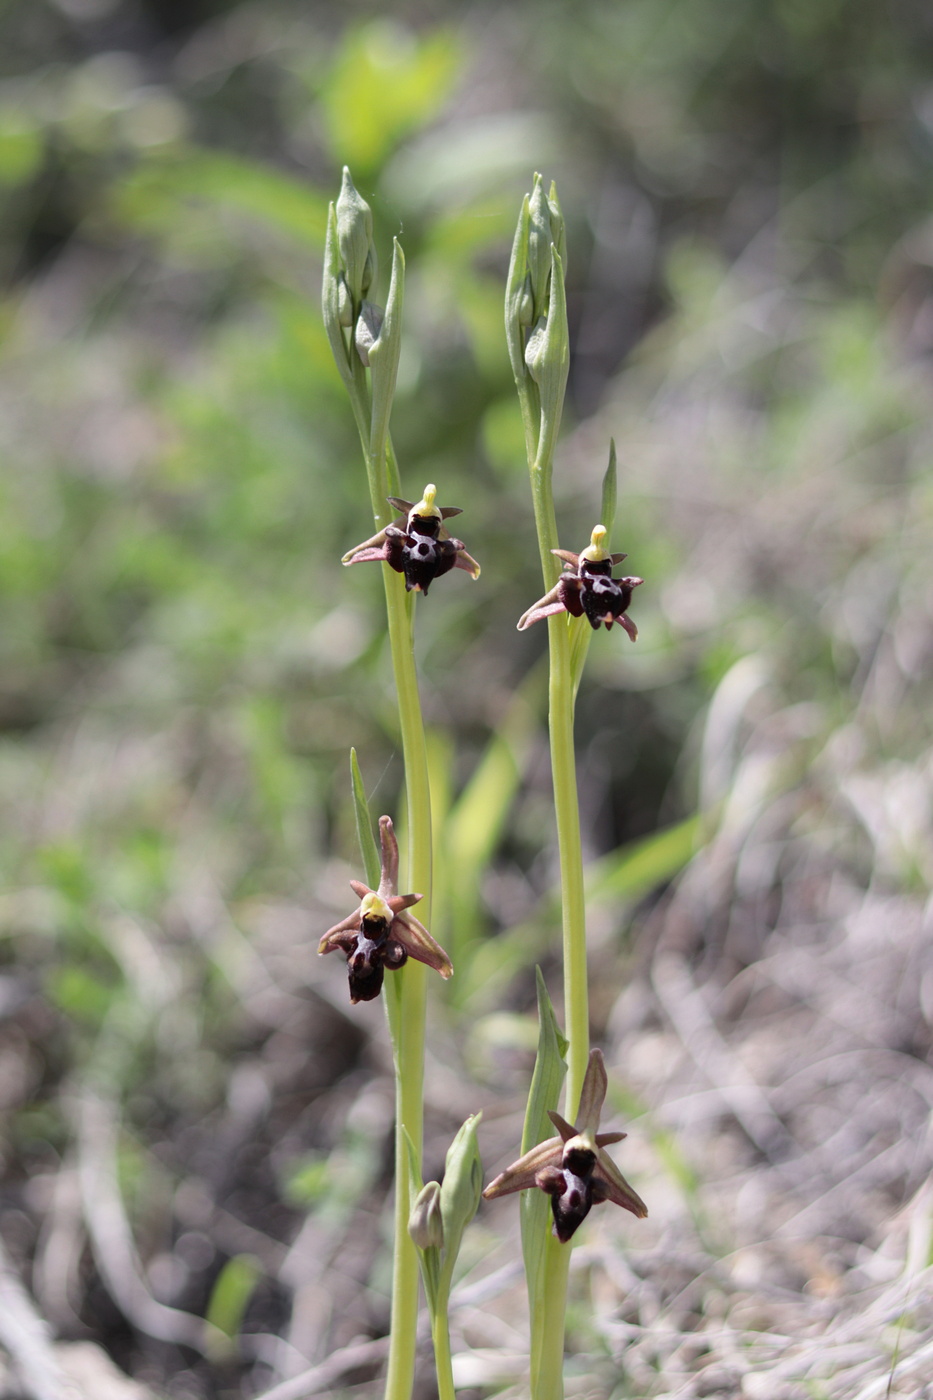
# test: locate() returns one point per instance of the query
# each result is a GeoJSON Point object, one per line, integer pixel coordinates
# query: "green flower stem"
{"type": "Point", "coordinates": [440, 1335]}
{"type": "Point", "coordinates": [547, 1346]}
{"type": "Point", "coordinates": [561, 696]}
{"type": "Point", "coordinates": [406, 991]}
{"type": "Point", "coordinates": [541, 394]}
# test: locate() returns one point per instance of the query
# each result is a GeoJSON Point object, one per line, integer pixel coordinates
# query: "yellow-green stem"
{"type": "Point", "coordinates": [406, 991]}
{"type": "Point", "coordinates": [440, 1334]}
{"type": "Point", "coordinates": [406, 998]}
{"type": "Point", "coordinates": [547, 1344]}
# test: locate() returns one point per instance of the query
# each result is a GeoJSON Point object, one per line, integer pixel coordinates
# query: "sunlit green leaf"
{"type": "Point", "coordinates": [364, 825]}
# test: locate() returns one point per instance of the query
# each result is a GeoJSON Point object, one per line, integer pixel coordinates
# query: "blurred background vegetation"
{"type": "Point", "coordinates": [184, 665]}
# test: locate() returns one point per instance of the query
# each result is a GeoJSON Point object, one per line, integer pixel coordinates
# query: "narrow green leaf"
{"type": "Point", "coordinates": [549, 1071]}
{"type": "Point", "coordinates": [364, 825]}
{"type": "Point", "coordinates": [635, 870]}
{"type": "Point", "coordinates": [517, 289]}
{"type": "Point", "coordinates": [607, 512]}
{"type": "Point", "coordinates": [231, 1293]}
{"type": "Point", "coordinates": [383, 362]}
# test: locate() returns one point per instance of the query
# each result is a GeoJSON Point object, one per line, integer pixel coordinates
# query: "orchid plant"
{"type": "Point", "coordinates": [382, 935]}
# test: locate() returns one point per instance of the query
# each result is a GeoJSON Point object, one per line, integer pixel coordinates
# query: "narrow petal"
{"type": "Point", "coordinates": [617, 558]}
{"type": "Point", "coordinates": [544, 607]}
{"type": "Point", "coordinates": [448, 511]}
{"type": "Point", "coordinates": [360, 890]}
{"type": "Point", "coordinates": [388, 881]}
{"type": "Point", "coordinates": [537, 614]}
{"type": "Point", "coordinates": [593, 1095]}
{"type": "Point", "coordinates": [566, 1130]}
{"type": "Point", "coordinates": [342, 935]}
{"type": "Point", "coordinates": [521, 1174]}
{"type": "Point", "coordinates": [398, 902]}
{"type": "Point", "coordinates": [605, 1139]}
{"type": "Point", "coordinates": [466, 561]}
{"type": "Point", "coordinates": [403, 506]}
{"type": "Point", "coordinates": [365, 556]}
{"type": "Point", "coordinates": [375, 541]}
{"type": "Point", "coordinates": [617, 1188]}
{"type": "Point", "coordinates": [572, 559]}
{"type": "Point", "coordinates": [419, 944]}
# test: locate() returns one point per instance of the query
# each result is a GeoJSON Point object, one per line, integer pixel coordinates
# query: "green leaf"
{"type": "Point", "coordinates": [231, 1293]}
{"type": "Point", "coordinates": [158, 194]}
{"type": "Point", "coordinates": [364, 825]}
{"type": "Point", "coordinates": [549, 1071]}
{"type": "Point", "coordinates": [383, 84]}
{"type": "Point", "coordinates": [635, 870]}
{"type": "Point", "coordinates": [384, 358]}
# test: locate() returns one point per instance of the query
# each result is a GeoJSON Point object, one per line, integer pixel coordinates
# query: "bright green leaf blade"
{"type": "Point", "coordinates": [161, 192]}
{"type": "Point", "coordinates": [382, 84]}
{"type": "Point", "coordinates": [364, 825]}
{"type": "Point", "coordinates": [637, 869]}
{"type": "Point", "coordinates": [549, 1071]}
{"type": "Point", "coordinates": [232, 1292]}
{"type": "Point", "coordinates": [607, 510]}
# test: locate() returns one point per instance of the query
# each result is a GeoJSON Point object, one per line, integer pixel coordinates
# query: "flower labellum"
{"type": "Point", "coordinates": [587, 588]}
{"type": "Point", "coordinates": [382, 934]}
{"type": "Point", "coordinates": [417, 544]}
{"type": "Point", "coordinates": [574, 1168]}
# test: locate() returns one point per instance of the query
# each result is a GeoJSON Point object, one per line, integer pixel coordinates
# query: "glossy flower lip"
{"type": "Point", "coordinates": [587, 589]}
{"type": "Point", "coordinates": [574, 1168]}
{"type": "Point", "coordinates": [418, 544]}
{"type": "Point", "coordinates": [381, 934]}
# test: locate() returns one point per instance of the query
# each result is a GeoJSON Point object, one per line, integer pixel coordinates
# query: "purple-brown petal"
{"type": "Point", "coordinates": [566, 1130]}
{"type": "Point", "coordinates": [616, 1187]}
{"type": "Point", "coordinates": [593, 1093]}
{"type": "Point", "coordinates": [418, 944]}
{"type": "Point", "coordinates": [521, 1174]}
{"type": "Point", "coordinates": [342, 935]}
{"type": "Point", "coordinates": [388, 879]}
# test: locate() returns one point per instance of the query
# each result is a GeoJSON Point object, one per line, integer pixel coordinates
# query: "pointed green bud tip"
{"type": "Point", "coordinates": [463, 1180]}
{"type": "Point", "coordinates": [539, 248]}
{"type": "Point", "coordinates": [355, 239]}
{"type": "Point", "coordinates": [425, 1224]}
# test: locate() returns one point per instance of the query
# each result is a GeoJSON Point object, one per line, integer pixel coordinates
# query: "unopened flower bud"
{"type": "Point", "coordinates": [367, 329]}
{"type": "Point", "coordinates": [355, 239]}
{"type": "Point", "coordinates": [344, 303]}
{"type": "Point", "coordinates": [539, 247]}
{"type": "Point", "coordinates": [463, 1182]}
{"type": "Point", "coordinates": [425, 1224]}
{"type": "Point", "coordinates": [547, 353]}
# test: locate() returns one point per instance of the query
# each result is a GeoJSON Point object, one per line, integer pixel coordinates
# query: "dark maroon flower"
{"type": "Point", "coordinates": [382, 934]}
{"type": "Point", "coordinates": [417, 544]}
{"type": "Point", "coordinates": [587, 589]}
{"type": "Point", "coordinates": [573, 1167]}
